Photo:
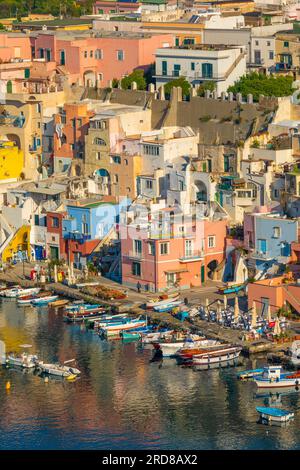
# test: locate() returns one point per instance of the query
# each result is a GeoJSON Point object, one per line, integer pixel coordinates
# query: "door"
{"type": "Point", "coordinates": [265, 302]}
{"type": "Point", "coordinates": [54, 254]}
{"type": "Point", "coordinates": [257, 57]}
{"type": "Point", "coordinates": [202, 273]}
{"type": "Point", "coordinates": [62, 58]}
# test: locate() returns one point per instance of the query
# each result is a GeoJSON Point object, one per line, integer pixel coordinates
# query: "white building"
{"type": "Point", "coordinates": [263, 51]}
{"type": "Point", "coordinates": [200, 63]}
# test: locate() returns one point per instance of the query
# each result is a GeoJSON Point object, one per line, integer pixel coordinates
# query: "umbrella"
{"type": "Point", "coordinates": [219, 314]}
{"type": "Point", "coordinates": [55, 273]}
{"type": "Point", "coordinates": [277, 329]}
{"type": "Point", "coordinates": [269, 314]}
{"type": "Point", "coordinates": [254, 315]}
{"type": "Point", "coordinates": [236, 310]}
{"type": "Point", "coordinates": [225, 302]}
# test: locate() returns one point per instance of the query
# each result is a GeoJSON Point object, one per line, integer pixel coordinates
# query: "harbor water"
{"type": "Point", "coordinates": [121, 401]}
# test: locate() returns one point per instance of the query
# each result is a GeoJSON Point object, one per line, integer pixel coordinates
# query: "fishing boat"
{"type": "Point", "coordinates": [27, 299]}
{"type": "Point", "coordinates": [61, 370]}
{"type": "Point", "coordinates": [82, 316]}
{"type": "Point", "coordinates": [59, 303]}
{"type": "Point", "coordinates": [249, 374]}
{"type": "Point", "coordinates": [12, 292]}
{"type": "Point", "coordinates": [83, 308]}
{"type": "Point", "coordinates": [273, 377]}
{"type": "Point", "coordinates": [217, 356]}
{"type": "Point", "coordinates": [171, 347]}
{"type": "Point", "coordinates": [44, 300]}
{"type": "Point", "coordinates": [274, 414]}
{"type": "Point", "coordinates": [116, 327]}
{"type": "Point", "coordinates": [162, 300]}
{"type": "Point", "coordinates": [130, 335]}
{"type": "Point", "coordinates": [168, 306]}
{"type": "Point", "coordinates": [30, 291]}
{"type": "Point", "coordinates": [25, 360]}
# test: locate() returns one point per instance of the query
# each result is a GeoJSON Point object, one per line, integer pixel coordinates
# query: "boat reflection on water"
{"type": "Point", "coordinates": [221, 365]}
{"type": "Point", "coordinates": [273, 399]}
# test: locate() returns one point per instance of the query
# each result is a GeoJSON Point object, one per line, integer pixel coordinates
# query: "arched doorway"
{"type": "Point", "coordinates": [211, 267]}
{"type": "Point", "coordinates": [103, 178]}
{"type": "Point", "coordinates": [89, 78]}
{"type": "Point", "coordinates": [201, 191]}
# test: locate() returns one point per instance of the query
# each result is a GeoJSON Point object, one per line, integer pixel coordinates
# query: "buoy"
{"type": "Point", "coordinates": [7, 385]}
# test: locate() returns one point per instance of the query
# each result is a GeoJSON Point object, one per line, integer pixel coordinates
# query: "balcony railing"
{"type": "Point", "coordinates": [261, 255]}
{"type": "Point", "coordinates": [135, 255]}
{"type": "Point", "coordinates": [192, 256]}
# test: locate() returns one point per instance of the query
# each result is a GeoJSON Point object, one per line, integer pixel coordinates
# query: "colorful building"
{"type": "Point", "coordinates": [11, 160]}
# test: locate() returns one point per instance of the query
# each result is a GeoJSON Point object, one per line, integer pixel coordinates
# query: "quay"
{"type": "Point", "coordinates": [133, 304]}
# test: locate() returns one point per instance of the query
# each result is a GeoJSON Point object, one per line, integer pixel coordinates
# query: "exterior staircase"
{"type": "Point", "coordinates": [292, 296]}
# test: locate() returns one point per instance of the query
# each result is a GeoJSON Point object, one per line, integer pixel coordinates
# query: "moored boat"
{"type": "Point", "coordinates": [249, 374]}
{"type": "Point", "coordinates": [59, 303]}
{"type": "Point", "coordinates": [162, 300]}
{"type": "Point", "coordinates": [116, 327]}
{"type": "Point", "coordinates": [274, 377]}
{"type": "Point", "coordinates": [61, 370]}
{"type": "Point", "coordinates": [27, 361]}
{"type": "Point", "coordinates": [43, 300]}
{"type": "Point", "coordinates": [216, 356]}
{"type": "Point", "coordinates": [274, 414]}
{"type": "Point", "coordinates": [167, 307]}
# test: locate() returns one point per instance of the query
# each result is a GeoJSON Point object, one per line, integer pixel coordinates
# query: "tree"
{"type": "Point", "coordinates": [211, 86]}
{"type": "Point", "coordinates": [115, 83]}
{"type": "Point", "coordinates": [178, 82]}
{"type": "Point", "coordinates": [260, 84]}
{"type": "Point", "coordinates": [136, 76]}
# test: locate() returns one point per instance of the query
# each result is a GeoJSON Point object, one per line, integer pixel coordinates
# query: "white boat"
{"type": "Point", "coordinates": [116, 327]}
{"type": "Point", "coordinates": [295, 353]}
{"type": "Point", "coordinates": [148, 338]}
{"type": "Point", "coordinates": [274, 377]}
{"type": "Point", "coordinates": [217, 356]}
{"type": "Point", "coordinates": [61, 370]}
{"type": "Point", "coordinates": [275, 415]}
{"type": "Point", "coordinates": [161, 302]}
{"type": "Point", "coordinates": [12, 292]}
{"type": "Point", "coordinates": [27, 361]}
{"type": "Point", "coordinates": [25, 292]}
{"type": "Point", "coordinates": [169, 348]}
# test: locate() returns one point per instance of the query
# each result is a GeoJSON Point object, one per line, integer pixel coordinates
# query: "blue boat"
{"type": "Point", "coordinates": [168, 307]}
{"type": "Point", "coordinates": [274, 414]}
{"type": "Point", "coordinates": [43, 300]}
{"type": "Point", "coordinates": [232, 289]}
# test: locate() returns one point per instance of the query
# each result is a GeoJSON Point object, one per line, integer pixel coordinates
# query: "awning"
{"type": "Point", "coordinates": [175, 271]}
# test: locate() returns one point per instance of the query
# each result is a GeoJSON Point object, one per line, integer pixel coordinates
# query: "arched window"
{"type": "Point", "coordinates": [98, 141]}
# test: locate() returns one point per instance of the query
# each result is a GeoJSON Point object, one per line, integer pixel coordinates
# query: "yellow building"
{"type": "Point", "coordinates": [11, 160]}
{"type": "Point", "coordinates": [20, 242]}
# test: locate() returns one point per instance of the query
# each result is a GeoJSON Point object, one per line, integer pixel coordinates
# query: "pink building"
{"type": "Point", "coordinates": [176, 255]}
{"type": "Point", "coordinates": [88, 59]}
{"type": "Point", "coordinates": [105, 7]}
{"type": "Point", "coordinates": [274, 293]}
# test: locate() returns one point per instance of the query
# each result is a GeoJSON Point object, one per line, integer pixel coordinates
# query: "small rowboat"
{"type": "Point", "coordinates": [130, 335]}
{"type": "Point", "coordinates": [168, 306]}
{"type": "Point", "coordinates": [160, 301]}
{"type": "Point", "coordinates": [274, 414]}
{"type": "Point", "coordinates": [232, 289]}
{"type": "Point", "coordinates": [44, 300]}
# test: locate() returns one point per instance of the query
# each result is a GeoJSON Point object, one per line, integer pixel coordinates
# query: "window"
{"type": "Point", "coordinates": [62, 57]}
{"type": "Point", "coordinates": [151, 149]}
{"type": "Point", "coordinates": [276, 193]}
{"type": "Point", "coordinates": [176, 71]}
{"type": "Point", "coordinates": [268, 43]}
{"type": "Point", "coordinates": [85, 54]}
{"type": "Point", "coordinates": [276, 232]}
{"type": "Point", "coordinates": [41, 53]}
{"type": "Point", "coordinates": [286, 44]}
{"type": "Point", "coordinates": [164, 248]}
{"type": "Point", "coordinates": [125, 161]}
{"type": "Point", "coordinates": [98, 54]}
{"type": "Point", "coordinates": [120, 55]}
{"type": "Point", "coordinates": [171, 279]}
{"type": "Point", "coordinates": [188, 247]}
{"type": "Point", "coordinates": [256, 43]}
{"type": "Point", "coordinates": [137, 244]}
{"type": "Point", "coordinates": [262, 245]}
{"type": "Point", "coordinates": [271, 55]}
{"type": "Point", "coordinates": [116, 178]}
{"type": "Point", "coordinates": [136, 268]}
{"type": "Point", "coordinates": [91, 53]}
{"type": "Point", "coordinates": [192, 65]}
{"type": "Point", "coordinates": [116, 159]}
{"type": "Point", "coordinates": [55, 222]}
{"type": "Point", "coordinates": [36, 220]}
{"type": "Point", "coordinates": [98, 155]}
{"type": "Point", "coordinates": [207, 70]}
{"type": "Point", "coordinates": [98, 141]}
{"type": "Point", "coordinates": [211, 241]}
{"type": "Point", "coordinates": [151, 248]}
{"type": "Point", "coordinates": [181, 185]}
{"type": "Point", "coordinates": [149, 184]}
{"type": "Point", "coordinates": [164, 65]}
{"type": "Point", "coordinates": [85, 228]}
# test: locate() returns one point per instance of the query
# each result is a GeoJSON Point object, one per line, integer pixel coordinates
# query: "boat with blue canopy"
{"type": "Point", "coordinates": [274, 414]}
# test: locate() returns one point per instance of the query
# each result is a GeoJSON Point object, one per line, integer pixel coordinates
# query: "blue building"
{"type": "Point", "coordinates": [273, 236]}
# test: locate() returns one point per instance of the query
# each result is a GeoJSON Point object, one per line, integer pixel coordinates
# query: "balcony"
{"type": "Point", "coordinates": [135, 255]}
{"type": "Point", "coordinates": [262, 255]}
{"type": "Point", "coordinates": [11, 120]}
{"type": "Point", "coordinates": [189, 256]}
